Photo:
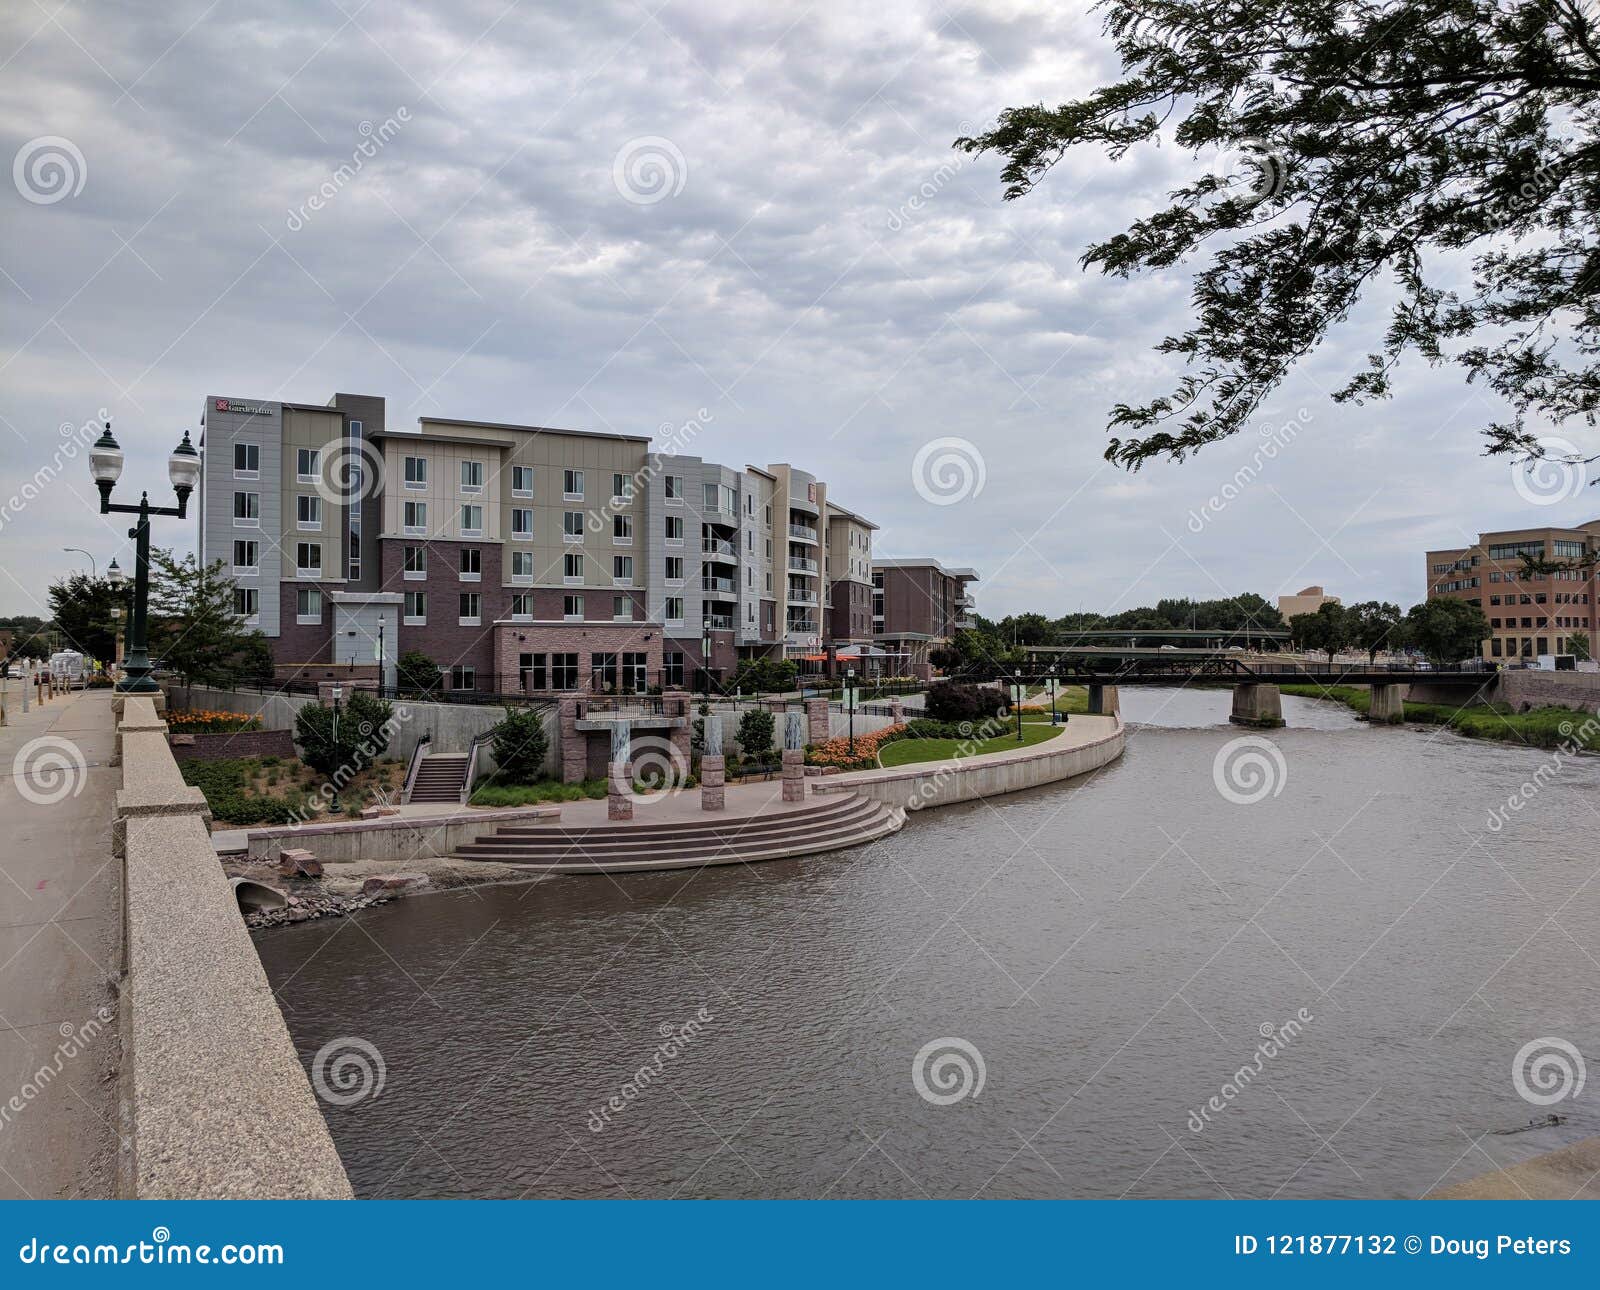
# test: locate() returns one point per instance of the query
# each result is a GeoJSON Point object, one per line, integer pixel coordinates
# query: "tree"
{"type": "Point", "coordinates": [1578, 645]}
{"type": "Point", "coordinates": [1325, 632]}
{"type": "Point", "coordinates": [520, 745]}
{"type": "Point", "coordinates": [415, 671]}
{"type": "Point", "coordinates": [82, 607]}
{"type": "Point", "coordinates": [342, 749]}
{"type": "Point", "coordinates": [1376, 139]}
{"type": "Point", "coordinates": [1446, 630]}
{"type": "Point", "coordinates": [1374, 625]}
{"type": "Point", "coordinates": [194, 629]}
{"type": "Point", "coordinates": [756, 728]}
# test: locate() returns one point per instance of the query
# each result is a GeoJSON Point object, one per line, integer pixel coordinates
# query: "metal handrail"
{"type": "Point", "coordinates": [801, 531]}
{"type": "Point", "coordinates": [472, 764]}
{"type": "Point", "coordinates": [414, 766]}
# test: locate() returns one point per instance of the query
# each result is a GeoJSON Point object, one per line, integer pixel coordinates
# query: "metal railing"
{"type": "Point", "coordinates": [414, 765]}
{"type": "Point", "coordinates": [801, 565]}
{"type": "Point", "coordinates": [717, 624]}
{"type": "Point", "coordinates": [718, 584]}
{"type": "Point", "coordinates": [800, 625]}
{"type": "Point", "coordinates": [718, 546]}
{"type": "Point", "coordinates": [799, 596]}
{"type": "Point", "coordinates": [801, 532]}
{"type": "Point", "coordinates": [478, 741]}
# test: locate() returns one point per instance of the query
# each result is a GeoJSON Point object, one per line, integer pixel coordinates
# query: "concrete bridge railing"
{"type": "Point", "coordinates": [215, 1102]}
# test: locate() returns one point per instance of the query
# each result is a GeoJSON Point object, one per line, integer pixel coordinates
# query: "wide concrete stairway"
{"type": "Point", "coordinates": [838, 821]}
{"type": "Point", "coordinates": [440, 778]}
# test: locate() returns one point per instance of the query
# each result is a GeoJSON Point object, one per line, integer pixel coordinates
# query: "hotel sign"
{"type": "Point", "coordinates": [243, 409]}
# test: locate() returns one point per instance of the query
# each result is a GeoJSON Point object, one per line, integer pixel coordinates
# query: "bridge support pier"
{"type": "Point", "coordinates": [1257, 705]}
{"type": "Point", "coordinates": [1388, 708]}
{"type": "Point", "coordinates": [1105, 700]}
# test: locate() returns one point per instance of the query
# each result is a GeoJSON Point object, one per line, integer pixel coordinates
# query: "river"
{"type": "Point", "coordinates": [1109, 952]}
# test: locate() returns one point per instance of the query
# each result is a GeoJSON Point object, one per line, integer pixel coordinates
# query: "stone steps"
{"type": "Point", "coordinates": [440, 778]}
{"type": "Point", "coordinates": [625, 848]}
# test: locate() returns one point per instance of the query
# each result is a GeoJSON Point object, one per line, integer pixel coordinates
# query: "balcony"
{"type": "Point", "coordinates": [799, 596]}
{"type": "Point", "coordinates": [720, 550]}
{"type": "Point", "coordinates": [717, 623]}
{"type": "Point", "coordinates": [799, 564]}
{"type": "Point", "coordinates": [801, 533]}
{"type": "Point", "coordinates": [802, 625]}
{"type": "Point", "coordinates": [722, 586]}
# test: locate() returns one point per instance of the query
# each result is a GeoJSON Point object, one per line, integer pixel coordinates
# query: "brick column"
{"type": "Point", "coordinates": [816, 720]}
{"type": "Point", "coordinates": [897, 712]}
{"type": "Point", "coordinates": [619, 792]}
{"type": "Point", "coordinates": [574, 743]}
{"type": "Point", "coordinates": [712, 778]}
{"type": "Point", "coordinates": [794, 775]}
{"type": "Point", "coordinates": [679, 703]}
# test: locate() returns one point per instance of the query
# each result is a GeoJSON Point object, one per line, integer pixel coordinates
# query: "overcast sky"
{"type": "Point", "coordinates": [609, 216]}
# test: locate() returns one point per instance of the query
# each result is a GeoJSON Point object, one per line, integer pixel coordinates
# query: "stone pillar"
{"type": "Point", "coordinates": [1387, 708]}
{"type": "Point", "coordinates": [817, 728]}
{"type": "Point", "coordinates": [897, 712]}
{"type": "Point", "coordinates": [574, 743]}
{"type": "Point", "coordinates": [1257, 705]}
{"type": "Point", "coordinates": [713, 767]}
{"type": "Point", "coordinates": [794, 756]}
{"type": "Point", "coordinates": [619, 792]}
{"type": "Point", "coordinates": [679, 703]}
{"type": "Point", "coordinates": [1105, 700]}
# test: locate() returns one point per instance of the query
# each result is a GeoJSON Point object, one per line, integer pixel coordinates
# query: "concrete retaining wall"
{"type": "Point", "coordinates": [216, 1103]}
{"type": "Point", "coordinates": [242, 743]}
{"type": "Point", "coordinates": [392, 838]}
{"type": "Point", "coordinates": [1579, 691]}
{"type": "Point", "coordinates": [943, 783]}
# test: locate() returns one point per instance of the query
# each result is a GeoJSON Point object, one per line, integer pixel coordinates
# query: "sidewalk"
{"type": "Point", "coordinates": [60, 948]}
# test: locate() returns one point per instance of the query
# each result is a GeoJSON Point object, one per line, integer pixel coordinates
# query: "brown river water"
{"type": "Point", "coordinates": [1106, 953]}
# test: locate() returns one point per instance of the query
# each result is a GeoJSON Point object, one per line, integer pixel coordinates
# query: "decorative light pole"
{"type": "Point", "coordinates": [336, 693]}
{"type": "Point", "coordinates": [114, 576]}
{"type": "Point", "coordinates": [183, 469]}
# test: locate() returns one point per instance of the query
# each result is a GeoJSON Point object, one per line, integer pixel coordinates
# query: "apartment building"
{"type": "Point", "coordinates": [1528, 616]}
{"type": "Point", "coordinates": [917, 605]}
{"type": "Point", "coordinates": [521, 557]}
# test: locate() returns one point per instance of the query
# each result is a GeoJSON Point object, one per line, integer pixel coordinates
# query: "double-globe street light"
{"type": "Point", "coordinates": [183, 469]}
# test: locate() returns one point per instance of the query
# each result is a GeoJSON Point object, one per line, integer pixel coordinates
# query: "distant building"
{"type": "Point", "coordinates": [1305, 601]}
{"type": "Point", "coordinates": [1527, 616]}
{"type": "Point", "coordinates": [917, 605]}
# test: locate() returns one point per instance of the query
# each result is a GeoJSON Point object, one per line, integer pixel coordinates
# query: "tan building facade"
{"type": "Point", "coordinates": [1305, 601]}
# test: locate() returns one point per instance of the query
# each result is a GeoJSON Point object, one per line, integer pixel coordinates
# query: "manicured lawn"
{"type": "Point", "coordinates": [1541, 728]}
{"type": "Point", "coordinates": [903, 752]}
{"type": "Point", "coordinates": [550, 790]}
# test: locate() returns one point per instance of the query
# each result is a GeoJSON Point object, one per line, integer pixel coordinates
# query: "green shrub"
{"type": "Point", "coordinates": [520, 746]}
{"type": "Point", "coordinates": [951, 701]}
{"type": "Point", "coordinates": [756, 728]}
{"type": "Point", "coordinates": [363, 732]}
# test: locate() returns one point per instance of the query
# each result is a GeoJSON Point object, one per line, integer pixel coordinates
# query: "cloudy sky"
{"type": "Point", "coordinates": [610, 216]}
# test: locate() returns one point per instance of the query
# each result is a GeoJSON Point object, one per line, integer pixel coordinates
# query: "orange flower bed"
{"type": "Point", "coordinates": [205, 721]}
{"type": "Point", "coordinates": [836, 752]}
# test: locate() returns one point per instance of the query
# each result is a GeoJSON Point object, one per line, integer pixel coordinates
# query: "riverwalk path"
{"type": "Point", "coordinates": [60, 948]}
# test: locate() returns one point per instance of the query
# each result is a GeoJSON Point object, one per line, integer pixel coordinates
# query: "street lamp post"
{"type": "Point", "coordinates": [335, 694]}
{"type": "Point", "coordinates": [183, 469]}
{"type": "Point", "coordinates": [850, 691]}
{"type": "Point", "coordinates": [94, 569]}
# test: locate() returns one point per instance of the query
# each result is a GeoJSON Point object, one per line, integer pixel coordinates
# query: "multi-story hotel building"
{"type": "Point", "coordinates": [1528, 616]}
{"type": "Point", "coordinates": [521, 558]}
{"type": "Point", "coordinates": [917, 605]}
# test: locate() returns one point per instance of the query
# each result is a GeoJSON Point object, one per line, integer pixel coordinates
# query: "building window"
{"type": "Point", "coordinates": [522, 605]}
{"type": "Point", "coordinates": [246, 601]}
{"type": "Point", "coordinates": [416, 517]}
{"type": "Point", "coordinates": [463, 678]}
{"type": "Point", "coordinates": [572, 567]}
{"type": "Point", "coordinates": [308, 559]}
{"type": "Point", "coordinates": [246, 460]}
{"type": "Point", "coordinates": [674, 610]}
{"type": "Point", "coordinates": [522, 564]}
{"type": "Point", "coordinates": [416, 472]}
{"type": "Point", "coordinates": [308, 605]}
{"type": "Point", "coordinates": [307, 512]}
{"type": "Point", "coordinates": [572, 607]}
{"type": "Point", "coordinates": [246, 557]}
{"type": "Point", "coordinates": [674, 530]}
{"type": "Point", "coordinates": [708, 496]}
{"type": "Point", "coordinates": [673, 484]}
{"type": "Point", "coordinates": [522, 481]}
{"type": "Point", "coordinates": [522, 523]}
{"type": "Point", "coordinates": [621, 609]}
{"type": "Point", "coordinates": [531, 668]}
{"type": "Point", "coordinates": [471, 564]}
{"type": "Point", "coordinates": [247, 510]}
{"type": "Point", "coordinates": [472, 477]}
{"type": "Point", "coordinates": [622, 570]}
{"type": "Point", "coordinates": [307, 465]}
{"type": "Point", "coordinates": [572, 526]}
{"type": "Point", "coordinates": [416, 608]}
{"type": "Point", "coordinates": [563, 671]}
{"type": "Point", "coordinates": [622, 529]}
{"type": "Point", "coordinates": [469, 609]}
{"type": "Point", "coordinates": [672, 669]}
{"type": "Point", "coordinates": [674, 569]}
{"type": "Point", "coordinates": [621, 487]}
{"type": "Point", "coordinates": [414, 563]}
{"type": "Point", "coordinates": [572, 484]}
{"type": "Point", "coordinates": [472, 521]}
